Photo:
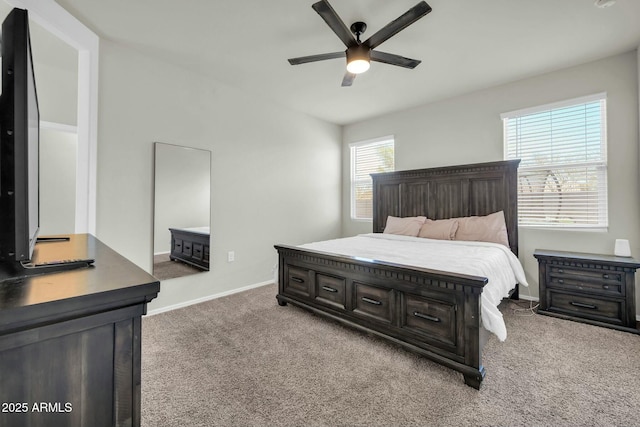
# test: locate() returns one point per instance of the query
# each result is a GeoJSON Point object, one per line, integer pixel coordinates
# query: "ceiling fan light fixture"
{"type": "Point", "coordinates": [358, 59]}
{"type": "Point", "coordinates": [358, 66]}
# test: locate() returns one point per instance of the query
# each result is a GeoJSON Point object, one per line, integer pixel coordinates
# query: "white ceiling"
{"type": "Point", "coordinates": [47, 48]}
{"type": "Point", "coordinates": [464, 45]}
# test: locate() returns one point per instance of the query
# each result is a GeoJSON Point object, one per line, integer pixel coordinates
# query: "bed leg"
{"type": "Point", "coordinates": [474, 380]}
{"type": "Point", "coordinates": [516, 292]}
{"type": "Point", "coordinates": [281, 303]}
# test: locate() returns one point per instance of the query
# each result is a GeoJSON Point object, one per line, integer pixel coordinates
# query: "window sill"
{"type": "Point", "coordinates": [362, 219]}
{"type": "Point", "coordinates": [557, 228]}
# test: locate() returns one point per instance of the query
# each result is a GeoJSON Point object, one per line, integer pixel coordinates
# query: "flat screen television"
{"type": "Point", "coordinates": [19, 142]}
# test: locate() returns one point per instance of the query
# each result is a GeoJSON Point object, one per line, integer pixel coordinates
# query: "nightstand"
{"type": "Point", "coordinates": [588, 288]}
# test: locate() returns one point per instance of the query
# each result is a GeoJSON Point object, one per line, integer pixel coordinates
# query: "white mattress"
{"type": "Point", "coordinates": [494, 261]}
{"type": "Point", "coordinates": [199, 230]}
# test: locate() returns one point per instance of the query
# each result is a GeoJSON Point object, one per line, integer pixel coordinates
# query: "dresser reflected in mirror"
{"type": "Point", "coordinates": [182, 203]}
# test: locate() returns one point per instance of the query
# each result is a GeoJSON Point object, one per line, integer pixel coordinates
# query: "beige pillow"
{"type": "Point", "coordinates": [408, 226]}
{"type": "Point", "coordinates": [490, 228]}
{"type": "Point", "coordinates": [441, 229]}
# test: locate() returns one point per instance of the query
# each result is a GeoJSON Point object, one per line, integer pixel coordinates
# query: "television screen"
{"type": "Point", "coordinates": [19, 142]}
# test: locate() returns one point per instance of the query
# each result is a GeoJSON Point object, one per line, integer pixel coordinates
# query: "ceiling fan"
{"type": "Point", "coordinates": [359, 54]}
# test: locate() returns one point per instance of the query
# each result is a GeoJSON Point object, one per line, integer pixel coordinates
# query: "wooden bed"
{"type": "Point", "coordinates": [191, 246]}
{"type": "Point", "coordinates": [381, 297]}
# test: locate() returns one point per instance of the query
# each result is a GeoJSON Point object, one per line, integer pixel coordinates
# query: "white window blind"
{"type": "Point", "coordinates": [366, 158]}
{"type": "Point", "coordinates": [562, 178]}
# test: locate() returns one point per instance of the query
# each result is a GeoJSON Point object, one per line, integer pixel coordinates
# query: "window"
{"type": "Point", "coordinates": [562, 178]}
{"type": "Point", "coordinates": [366, 158]}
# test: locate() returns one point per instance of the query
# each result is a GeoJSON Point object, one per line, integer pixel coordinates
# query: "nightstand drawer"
{"type": "Point", "coordinates": [598, 283]}
{"type": "Point", "coordinates": [587, 274]}
{"type": "Point", "coordinates": [610, 311]}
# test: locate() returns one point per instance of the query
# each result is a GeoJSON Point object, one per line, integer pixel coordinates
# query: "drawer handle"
{"type": "Point", "coordinates": [605, 286]}
{"type": "Point", "coordinates": [560, 281]}
{"type": "Point", "coordinates": [426, 316]}
{"type": "Point", "coordinates": [371, 301]}
{"type": "Point", "coordinates": [328, 289]}
{"type": "Point", "coordinates": [579, 304]}
{"type": "Point", "coordinates": [297, 279]}
{"type": "Point", "coordinates": [560, 270]}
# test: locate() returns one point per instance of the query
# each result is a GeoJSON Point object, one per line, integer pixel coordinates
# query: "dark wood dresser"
{"type": "Point", "coordinates": [70, 342]}
{"type": "Point", "coordinates": [191, 245]}
{"type": "Point", "coordinates": [589, 288]}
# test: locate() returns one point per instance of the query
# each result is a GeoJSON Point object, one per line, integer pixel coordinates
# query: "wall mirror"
{"type": "Point", "coordinates": [182, 203]}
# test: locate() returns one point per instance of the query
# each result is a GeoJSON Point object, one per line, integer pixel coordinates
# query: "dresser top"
{"type": "Point", "coordinates": [112, 282]}
{"type": "Point", "coordinates": [581, 256]}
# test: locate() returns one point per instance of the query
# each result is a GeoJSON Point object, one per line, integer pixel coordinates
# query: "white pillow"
{"type": "Point", "coordinates": [441, 229]}
{"type": "Point", "coordinates": [489, 228]}
{"type": "Point", "coordinates": [408, 226]}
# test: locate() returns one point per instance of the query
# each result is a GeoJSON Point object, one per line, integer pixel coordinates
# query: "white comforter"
{"type": "Point", "coordinates": [491, 260]}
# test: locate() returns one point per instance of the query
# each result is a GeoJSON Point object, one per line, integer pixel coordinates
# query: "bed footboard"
{"type": "Point", "coordinates": [433, 313]}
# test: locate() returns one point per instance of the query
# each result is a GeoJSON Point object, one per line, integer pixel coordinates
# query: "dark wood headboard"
{"type": "Point", "coordinates": [449, 192]}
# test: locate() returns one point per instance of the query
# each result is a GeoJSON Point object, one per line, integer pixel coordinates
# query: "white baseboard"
{"type": "Point", "coordinates": [208, 298]}
{"type": "Point", "coordinates": [528, 297]}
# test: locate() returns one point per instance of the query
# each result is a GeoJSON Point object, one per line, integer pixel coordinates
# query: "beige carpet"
{"type": "Point", "coordinates": [243, 360]}
{"type": "Point", "coordinates": [164, 268]}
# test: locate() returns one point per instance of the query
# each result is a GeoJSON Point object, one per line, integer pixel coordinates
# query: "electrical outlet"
{"type": "Point", "coordinates": [231, 256]}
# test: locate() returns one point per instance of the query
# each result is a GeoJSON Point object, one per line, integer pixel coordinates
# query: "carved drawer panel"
{"type": "Point", "coordinates": [604, 282]}
{"type": "Point", "coordinates": [373, 302]}
{"type": "Point", "coordinates": [586, 307]}
{"type": "Point", "coordinates": [198, 251]}
{"type": "Point", "coordinates": [330, 290]}
{"type": "Point", "coordinates": [429, 318]}
{"type": "Point", "coordinates": [186, 248]}
{"type": "Point", "coordinates": [297, 281]}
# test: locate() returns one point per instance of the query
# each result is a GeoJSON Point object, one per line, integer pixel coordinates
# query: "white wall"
{"type": "Point", "coordinates": [468, 129]}
{"type": "Point", "coordinates": [275, 173]}
{"type": "Point", "coordinates": [57, 93]}
{"type": "Point", "coordinates": [57, 181]}
{"type": "Point", "coordinates": [55, 65]}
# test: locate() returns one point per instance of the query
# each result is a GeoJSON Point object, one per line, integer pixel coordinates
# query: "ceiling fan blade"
{"type": "Point", "coordinates": [314, 58]}
{"type": "Point", "coordinates": [332, 19]}
{"type": "Point", "coordinates": [348, 79]}
{"type": "Point", "coordinates": [399, 24]}
{"type": "Point", "coordinates": [389, 58]}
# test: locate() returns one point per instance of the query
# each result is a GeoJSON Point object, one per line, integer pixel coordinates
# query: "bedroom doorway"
{"type": "Point", "coordinates": [60, 26]}
{"type": "Point", "coordinates": [58, 156]}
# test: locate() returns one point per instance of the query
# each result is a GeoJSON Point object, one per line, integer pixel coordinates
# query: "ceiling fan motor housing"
{"type": "Point", "coordinates": [358, 52]}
